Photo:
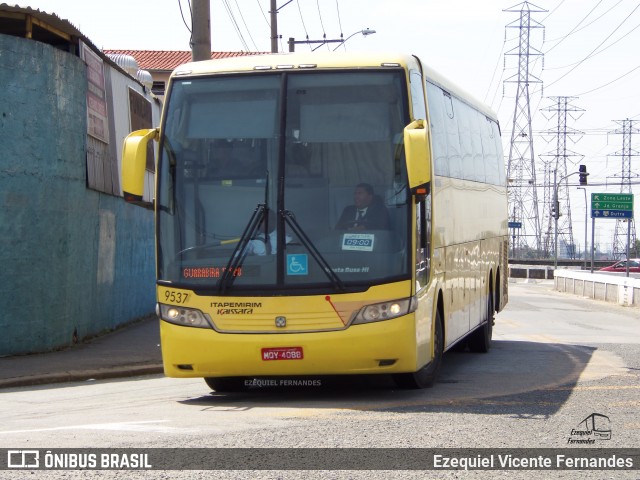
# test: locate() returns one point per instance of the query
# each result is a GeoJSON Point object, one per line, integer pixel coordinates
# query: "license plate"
{"type": "Point", "coordinates": [282, 353]}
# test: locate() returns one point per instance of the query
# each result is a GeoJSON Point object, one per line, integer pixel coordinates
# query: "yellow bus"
{"type": "Point", "coordinates": [322, 214]}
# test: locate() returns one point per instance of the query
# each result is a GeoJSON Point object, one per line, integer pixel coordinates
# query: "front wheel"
{"type": "Point", "coordinates": [226, 384]}
{"type": "Point", "coordinates": [426, 376]}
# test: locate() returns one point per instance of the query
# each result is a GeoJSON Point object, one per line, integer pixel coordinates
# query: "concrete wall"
{"type": "Point", "coordinates": [72, 259]}
{"type": "Point", "coordinates": [531, 272]}
{"type": "Point", "coordinates": [599, 286]}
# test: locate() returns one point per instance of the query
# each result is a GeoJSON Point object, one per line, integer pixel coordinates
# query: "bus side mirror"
{"type": "Point", "coordinates": [417, 154]}
{"type": "Point", "coordinates": [134, 162]}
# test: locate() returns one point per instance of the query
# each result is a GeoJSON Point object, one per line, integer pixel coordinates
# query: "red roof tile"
{"type": "Point", "coordinates": [169, 59]}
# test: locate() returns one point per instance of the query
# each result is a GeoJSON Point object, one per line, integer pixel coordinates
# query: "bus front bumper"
{"type": "Point", "coordinates": [381, 347]}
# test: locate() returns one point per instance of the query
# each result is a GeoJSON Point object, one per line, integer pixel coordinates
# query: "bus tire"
{"type": "Point", "coordinates": [480, 339]}
{"type": "Point", "coordinates": [226, 384]}
{"type": "Point", "coordinates": [426, 376]}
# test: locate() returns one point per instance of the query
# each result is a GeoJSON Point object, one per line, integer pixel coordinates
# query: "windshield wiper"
{"type": "Point", "coordinates": [290, 220]}
{"type": "Point", "coordinates": [215, 243]}
{"type": "Point", "coordinates": [240, 252]}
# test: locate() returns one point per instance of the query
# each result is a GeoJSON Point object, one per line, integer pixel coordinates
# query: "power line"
{"type": "Point", "coordinates": [339, 20]}
{"type": "Point", "coordinates": [263, 15]}
{"type": "Point", "coordinates": [324, 33]}
{"type": "Point", "coordinates": [303, 24]}
{"type": "Point", "coordinates": [597, 53]}
{"type": "Point", "coordinates": [553, 11]}
{"type": "Point", "coordinates": [185, 22]}
{"type": "Point", "coordinates": [574, 28]}
{"type": "Point", "coordinates": [612, 81]}
{"type": "Point", "coordinates": [592, 22]}
{"type": "Point", "coordinates": [235, 24]}
{"type": "Point", "coordinates": [494, 73]}
{"type": "Point", "coordinates": [182, 14]}
{"type": "Point", "coordinates": [245, 26]}
{"type": "Point", "coordinates": [590, 54]}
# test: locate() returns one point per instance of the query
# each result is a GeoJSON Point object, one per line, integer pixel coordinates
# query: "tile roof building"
{"type": "Point", "coordinates": [160, 63]}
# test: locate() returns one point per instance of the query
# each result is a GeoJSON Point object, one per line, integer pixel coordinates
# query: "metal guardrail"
{"type": "Point", "coordinates": [561, 262]}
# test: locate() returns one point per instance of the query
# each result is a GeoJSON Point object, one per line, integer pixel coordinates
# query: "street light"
{"type": "Point", "coordinates": [292, 41]}
{"type": "Point", "coordinates": [365, 32]}
{"type": "Point", "coordinates": [586, 210]}
{"type": "Point", "coordinates": [556, 205]}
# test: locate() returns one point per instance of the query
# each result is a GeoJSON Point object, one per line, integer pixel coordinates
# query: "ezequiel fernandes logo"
{"type": "Point", "coordinates": [595, 427]}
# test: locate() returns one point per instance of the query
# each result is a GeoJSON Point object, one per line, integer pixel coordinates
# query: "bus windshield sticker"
{"type": "Point", "coordinates": [362, 242]}
{"type": "Point", "coordinates": [297, 264]}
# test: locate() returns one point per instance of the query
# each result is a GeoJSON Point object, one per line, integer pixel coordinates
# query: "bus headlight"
{"type": "Point", "coordinates": [188, 317]}
{"type": "Point", "coordinates": [385, 311]}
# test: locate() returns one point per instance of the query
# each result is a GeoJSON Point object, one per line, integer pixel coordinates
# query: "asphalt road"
{"type": "Point", "coordinates": [556, 360]}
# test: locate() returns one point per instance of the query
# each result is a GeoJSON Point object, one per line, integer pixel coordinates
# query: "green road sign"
{"type": "Point", "coordinates": [611, 205]}
{"type": "Point", "coordinates": [612, 197]}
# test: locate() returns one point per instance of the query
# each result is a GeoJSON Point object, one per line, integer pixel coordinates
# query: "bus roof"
{"type": "Point", "coordinates": [326, 61]}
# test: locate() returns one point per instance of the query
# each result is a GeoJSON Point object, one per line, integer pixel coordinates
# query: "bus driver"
{"type": "Point", "coordinates": [367, 213]}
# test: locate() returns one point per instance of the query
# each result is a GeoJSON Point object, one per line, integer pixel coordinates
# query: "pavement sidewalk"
{"type": "Point", "coordinates": [131, 350]}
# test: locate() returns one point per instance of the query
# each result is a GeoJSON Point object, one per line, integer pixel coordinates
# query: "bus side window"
{"type": "Point", "coordinates": [417, 95]}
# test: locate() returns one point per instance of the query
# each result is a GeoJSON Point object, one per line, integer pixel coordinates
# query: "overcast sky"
{"type": "Point", "coordinates": [590, 51]}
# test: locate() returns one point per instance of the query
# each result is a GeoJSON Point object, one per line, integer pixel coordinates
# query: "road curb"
{"type": "Point", "coordinates": [81, 375]}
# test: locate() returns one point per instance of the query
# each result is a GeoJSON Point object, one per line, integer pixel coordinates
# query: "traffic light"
{"type": "Point", "coordinates": [583, 174]}
{"type": "Point", "coordinates": [555, 210]}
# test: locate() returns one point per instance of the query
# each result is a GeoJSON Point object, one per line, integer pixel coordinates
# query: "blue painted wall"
{"type": "Point", "coordinates": [71, 259]}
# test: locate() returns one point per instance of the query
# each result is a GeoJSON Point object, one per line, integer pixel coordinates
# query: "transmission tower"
{"type": "Point", "coordinates": [556, 177]}
{"type": "Point", "coordinates": [623, 228]}
{"type": "Point", "coordinates": [521, 169]}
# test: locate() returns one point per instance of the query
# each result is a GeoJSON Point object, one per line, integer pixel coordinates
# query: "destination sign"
{"type": "Point", "coordinates": [611, 205]}
{"type": "Point", "coordinates": [612, 197]}
{"type": "Point", "coordinates": [611, 214]}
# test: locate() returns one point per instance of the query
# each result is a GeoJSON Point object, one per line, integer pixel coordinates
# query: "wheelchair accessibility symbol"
{"type": "Point", "coordinates": [297, 264]}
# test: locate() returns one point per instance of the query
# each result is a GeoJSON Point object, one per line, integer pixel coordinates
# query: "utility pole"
{"type": "Point", "coordinates": [274, 27]}
{"type": "Point", "coordinates": [559, 205]}
{"type": "Point", "coordinates": [200, 30]}
{"type": "Point", "coordinates": [625, 227]}
{"type": "Point", "coordinates": [521, 168]}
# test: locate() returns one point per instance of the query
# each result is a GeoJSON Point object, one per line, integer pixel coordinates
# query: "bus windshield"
{"type": "Point", "coordinates": [284, 181]}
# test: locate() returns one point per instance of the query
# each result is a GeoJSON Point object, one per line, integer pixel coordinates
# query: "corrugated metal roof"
{"type": "Point", "coordinates": [61, 33]}
{"type": "Point", "coordinates": [11, 24]}
{"type": "Point", "coordinates": [48, 28]}
{"type": "Point", "coordinates": [169, 59]}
